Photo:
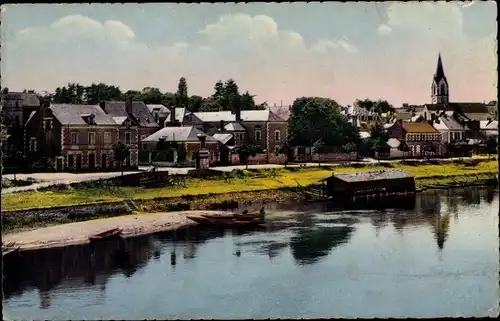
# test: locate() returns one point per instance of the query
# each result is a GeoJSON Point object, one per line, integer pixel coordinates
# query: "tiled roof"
{"type": "Point", "coordinates": [234, 127]}
{"type": "Point", "coordinates": [215, 116]}
{"type": "Point", "coordinates": [223, 138]}
{"type": "Point", "coordinates": [402, 115]}
{"type": "Point", "coordinates": [374, 175]}
{"type": "Point", "coordinates": [419, 128]}
{"type": "Point", "coordinates": [71, 114]}
{"type": "Point", "coordinates": [139, 111]}
{"type": "Point", "coordinates": [448, 123]}
{"type": "Point", "coordinates": [178, 134]}
{"type": "Point", "coordinates": [29, 99]}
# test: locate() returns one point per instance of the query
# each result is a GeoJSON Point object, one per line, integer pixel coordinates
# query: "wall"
{"type": "Point", "coordinates": [260, 159]}
{"type": "Point", "coordinates": [326, 157]}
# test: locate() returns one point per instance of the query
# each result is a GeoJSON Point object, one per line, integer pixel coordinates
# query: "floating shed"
{"type": "Point", "coordinates": [386, 183]}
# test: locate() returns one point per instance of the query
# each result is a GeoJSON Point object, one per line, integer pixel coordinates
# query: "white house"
{"type": "Point", "coordinates": [450, 129]}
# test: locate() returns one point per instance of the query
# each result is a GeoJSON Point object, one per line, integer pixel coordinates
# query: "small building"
{"type": "Point", "coordinates": [388, 183]}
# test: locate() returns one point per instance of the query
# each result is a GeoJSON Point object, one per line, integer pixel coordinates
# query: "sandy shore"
{"type": "Point", "coordinates": [78, 233]}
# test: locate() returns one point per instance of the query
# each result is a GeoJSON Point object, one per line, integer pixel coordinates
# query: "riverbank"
{"type": "Point", "coordinates": [79, 233]}
{"type": "Point", "coordinates": [238, 183]}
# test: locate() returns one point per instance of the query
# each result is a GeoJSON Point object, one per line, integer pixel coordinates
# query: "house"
{"type": "Point", "coordinates": [257, 127]}
{"type": "Point", "coordinates": [453, 135]}
{"type": "Point", "coordinates": [18, 106]}
{"type": "Point", "coordinates": [421, 138]}
{"type": "Point", "coordinates": [450, 129]}
{"type": "Point", "coordinates": [133, 115]}
{"type": "Point", "coordinates": [489, 127]}
{"type": "Point", "coordinates": [186, 143]}
{"type": "Point", "coordinates": [77, 137]}
{"type": "Point", "coordinates": [363, 119]}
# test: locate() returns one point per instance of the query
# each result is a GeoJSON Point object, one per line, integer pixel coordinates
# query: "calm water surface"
{"type": "Point", "coordinates": [439, 257]}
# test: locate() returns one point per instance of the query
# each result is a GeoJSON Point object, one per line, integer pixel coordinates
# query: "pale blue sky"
{"type": "Point", "coordinates": [277, 51]}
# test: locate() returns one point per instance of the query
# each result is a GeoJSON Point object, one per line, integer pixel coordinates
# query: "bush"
{"type": "Point", "coordinates": [172, 207]}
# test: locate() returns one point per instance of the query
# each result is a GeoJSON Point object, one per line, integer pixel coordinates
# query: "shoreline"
{"type": "Point", "coordinates": [78, 233]}
{"type": "Point", "coordinates": [133, 225]}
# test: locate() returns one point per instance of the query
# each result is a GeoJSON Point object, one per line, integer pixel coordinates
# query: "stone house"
{"type": "Point", "coordinates": [418, 137]}
{"type": "Point", "coordinates": [186, 138]}
{"type": "Point", "coordinates": [78, 137]}
{"type": "Point", "coordinates": [137, 113]}
{"type": "Point", "coordinates": [257, 127]}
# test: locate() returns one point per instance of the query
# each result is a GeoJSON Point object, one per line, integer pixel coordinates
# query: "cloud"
{"type": "Point", "coordinates": [384, 29]}
{"type": "Point", "coordinates": [78, 48]}
{"type": "Point", "coordinates": [263, 57]}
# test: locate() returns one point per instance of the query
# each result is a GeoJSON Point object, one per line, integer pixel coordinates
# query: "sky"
{"type": "Point", "coordinates": [278, 52]}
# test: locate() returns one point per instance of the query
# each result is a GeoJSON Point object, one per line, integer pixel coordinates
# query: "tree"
{"type": "Point", "coordinates": [120, 153]}
{"type": "Point", "coordinates": [313, 118]}
{"type": "Point", "coordinates": [195, 104]}
{"type": "Point", "coordinates": [491, 145]}
{"type": "Point", "coordinates": [181, 95]}
{"type": "Point", "coordinates": [219, 90]}
{"type": "Point", "coordinates": [246, 151]}
{"type": "Point", "coordinates": [319, 148]}
{"type": "Point", "coordinates": [379, 106]}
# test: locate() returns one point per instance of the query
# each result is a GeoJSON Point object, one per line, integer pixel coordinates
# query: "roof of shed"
{"type": "Point", "coordinates": [373, 175]}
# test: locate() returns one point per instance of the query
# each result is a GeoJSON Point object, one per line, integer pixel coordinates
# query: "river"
{"type": "Point", "coordinates": [436, 257]}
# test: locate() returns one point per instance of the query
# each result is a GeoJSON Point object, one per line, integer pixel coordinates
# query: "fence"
{"type": "Point", "coordinates": [326, 157]}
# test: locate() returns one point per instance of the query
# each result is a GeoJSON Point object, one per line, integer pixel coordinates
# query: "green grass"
{"type": "Point", "coordinates": [238, 181]}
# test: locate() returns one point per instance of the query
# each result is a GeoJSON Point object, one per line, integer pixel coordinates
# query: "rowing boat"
{"type": "Point", "coordinates": [112, 234]}
{"type": "Point", "coordinates": [245, 216]}
{"type": "Point", "coordinates": [227, 222]}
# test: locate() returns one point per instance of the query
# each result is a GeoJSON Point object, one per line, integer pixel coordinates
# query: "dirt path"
{"type": "Point", "coordinates": [78, 233]}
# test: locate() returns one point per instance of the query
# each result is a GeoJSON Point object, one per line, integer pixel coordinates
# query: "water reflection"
{"type": "Point", "coordinates": [309, 236]}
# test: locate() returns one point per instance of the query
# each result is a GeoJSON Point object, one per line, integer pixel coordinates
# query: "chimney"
{"type": "Point", "coordinates": [128, 105]}
{"type": "Point", "coordinates": [238, 114]}
{"type": "Point", "coordinates": [102, 104]}
{"type": "Point", "coordinates": [202, 139]}
{"type": "Point", "coordinates": [222, 125]}
{"type": "Point", "coordinates": [433, 118]}
{"type": "Point", "coordinates": [172, 115]}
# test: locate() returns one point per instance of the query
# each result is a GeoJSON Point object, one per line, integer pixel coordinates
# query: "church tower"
{"type": "Point", "coordinates": [440, 93]}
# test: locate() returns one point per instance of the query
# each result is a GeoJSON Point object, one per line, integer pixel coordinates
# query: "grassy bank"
{"type": "Point", "coordinates": [230, 186]}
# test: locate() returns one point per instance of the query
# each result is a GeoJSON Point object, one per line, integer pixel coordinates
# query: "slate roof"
{"type": "Point", "coordinates": [234, 127]}
{"type": "Point", "coordinates": [487, 124]}
{"type": "Point", "coordinates": [438, 107]}
{"type": "Point", "coordinates": [140, 112]}
{"type": "Point", "coordinates": [373, 175]}
{"type": "Point", "coordinates": [283, 112]}
{"type": "Point", "coordinates": [29, 99]}
{"type": "Point", "coordinates": [440, 71]}
{"type": "Point", "coordinates": [419, 128]}
{"type": "Point", "coordinates": [72, 114]}
{"type": "Point", "coordinates": [393, 142]}
{"type": "Point", "coordinates": [223, 138]}
{"type": "Point", "coordinates": [180, 112]}
{"type": "Point", "coordinates": [178, 134]}
{"type": "Point", "coordinates": [449, 123]}
{"type": "Point", "coordinates": [246, 115]}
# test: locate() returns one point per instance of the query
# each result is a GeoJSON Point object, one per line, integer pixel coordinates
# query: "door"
{"type": "Point", "coordinates": [59, 164]}
{"type": "Point", "coordinates": [103, 161]}
{"type": "Point", "coordinates": [71, 161]}
{"type": "Point", "coordinates": [78, 162]}
{"type": "Point", "coordinates": [224, 157]}
{"type": "Point", "coordinates": [91, 161]}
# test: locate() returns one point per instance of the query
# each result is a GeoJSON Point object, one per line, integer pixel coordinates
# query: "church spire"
{"type": "Point", "coordinates": [440, 94]}
{"type": "Point", "coordinates": [439, 70]}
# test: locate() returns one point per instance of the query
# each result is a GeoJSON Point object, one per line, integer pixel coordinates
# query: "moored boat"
{"type": "Point", "coordinates": [112, 234]}
{"type": "Point", "coordinates": [225, 222]}
{"type": "Point", "coordinates": [245, 216]}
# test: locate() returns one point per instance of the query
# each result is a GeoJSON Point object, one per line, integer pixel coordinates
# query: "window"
{"type": "Point", "coordinates": [47, 124]}
{"type": "Point", "coordinates": [128, 138]}
{"type": "Point", "coordinates": [32, 145]}
{"type": "Point", "coordinates": [277, 150]}
{"type": "Point", "coordinates": [107, 138]}
{"type": "Point", "coordinates": [242, 136]}
{"type": "Point", "coordinates": [91, 138]}
{"type": "Point", "coordinates": [257, 134]}
{"type": "Point", "coordinates": [277, 135]}
{"type": "Point", "coordinates": [74, 138]}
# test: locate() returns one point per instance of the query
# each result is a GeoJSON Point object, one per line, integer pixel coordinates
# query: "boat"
{"type": "Point", "coordinates": [225, 222]}
{"type": "Point", "coordinates": [245, 216]}
{"type": "Point", "coordinates": [112, 234]}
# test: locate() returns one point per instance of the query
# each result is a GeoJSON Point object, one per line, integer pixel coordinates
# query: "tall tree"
{"type": "Point", "coordinates": [181, 95]}
{"type": "Point", "coordinates": [218, 90]}
{"type": "Point", "coordinates": [230, 98]}
{"type": "Point", "coordinates": [313, 118]}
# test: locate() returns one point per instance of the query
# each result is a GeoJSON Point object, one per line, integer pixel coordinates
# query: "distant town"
{"type": "Point", "coordinates": [99, 128]}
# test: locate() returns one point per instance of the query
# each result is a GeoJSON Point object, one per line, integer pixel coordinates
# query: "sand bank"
{"type": "Point", "coordinates": [78, 233]}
